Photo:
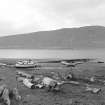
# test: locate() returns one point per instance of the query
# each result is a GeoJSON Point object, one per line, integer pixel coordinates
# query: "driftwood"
{"type": "Point", "coordinates": [28, 84]}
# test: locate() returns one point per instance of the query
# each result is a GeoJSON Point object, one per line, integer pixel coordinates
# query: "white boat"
{"type": "Point", "coordinates": [25, 64]}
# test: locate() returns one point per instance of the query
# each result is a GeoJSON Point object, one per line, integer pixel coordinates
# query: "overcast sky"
{"type": "Point", "coordinates": [22, 16]}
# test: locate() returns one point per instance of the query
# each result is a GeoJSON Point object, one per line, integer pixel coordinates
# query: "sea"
{"type": "Point", "coordinates": [52, 54]}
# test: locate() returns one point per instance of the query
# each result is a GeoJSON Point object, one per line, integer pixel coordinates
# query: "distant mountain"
{"type": "Point", "coordinates": [88, 37]}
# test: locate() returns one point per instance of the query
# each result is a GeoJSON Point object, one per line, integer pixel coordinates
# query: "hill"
{"type": "Point", "coordinates": [87, 37]}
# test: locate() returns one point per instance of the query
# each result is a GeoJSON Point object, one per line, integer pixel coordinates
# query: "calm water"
{"type": "Point", "coordinates": [41, 54]}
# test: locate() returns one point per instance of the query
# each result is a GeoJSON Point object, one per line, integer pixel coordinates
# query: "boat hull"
{"type": "Point", "coordinates": [24, 66]}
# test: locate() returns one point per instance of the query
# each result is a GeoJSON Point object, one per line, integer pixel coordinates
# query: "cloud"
{"type": "Point", "coordinates": [19, 16]}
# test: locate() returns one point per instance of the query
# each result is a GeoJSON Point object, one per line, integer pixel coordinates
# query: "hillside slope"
{"type": "Point", "coordinates": [68, 38]}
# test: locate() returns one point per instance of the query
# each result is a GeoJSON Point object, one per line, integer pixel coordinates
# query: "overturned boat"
{"type": "Point", "coordinates": [26, 64]}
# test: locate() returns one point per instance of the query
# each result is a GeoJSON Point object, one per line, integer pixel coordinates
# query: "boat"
{"type": "Point", "coordinates": [25, 64]}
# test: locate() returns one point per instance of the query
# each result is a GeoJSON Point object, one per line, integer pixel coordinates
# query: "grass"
{"type": "Point", "coordinates": [69, 95]}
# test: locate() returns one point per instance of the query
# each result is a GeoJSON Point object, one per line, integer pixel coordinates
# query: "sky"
{"type": "Point", "coordinates": [24, 16]}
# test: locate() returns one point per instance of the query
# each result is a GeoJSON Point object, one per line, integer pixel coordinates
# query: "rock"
{"type": "Point", "coordinates": [93, 90]}
{"type": "Point", "coordinates": [16, 94]}
{"type": "Point", "coordinates": [5, 97]}
{"type": "Point", "coordinates": [70, 101]}
{"type": "Point", "coordinates": [2, 87]}
{"type": "Point", "coordinates": [23, 74]}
